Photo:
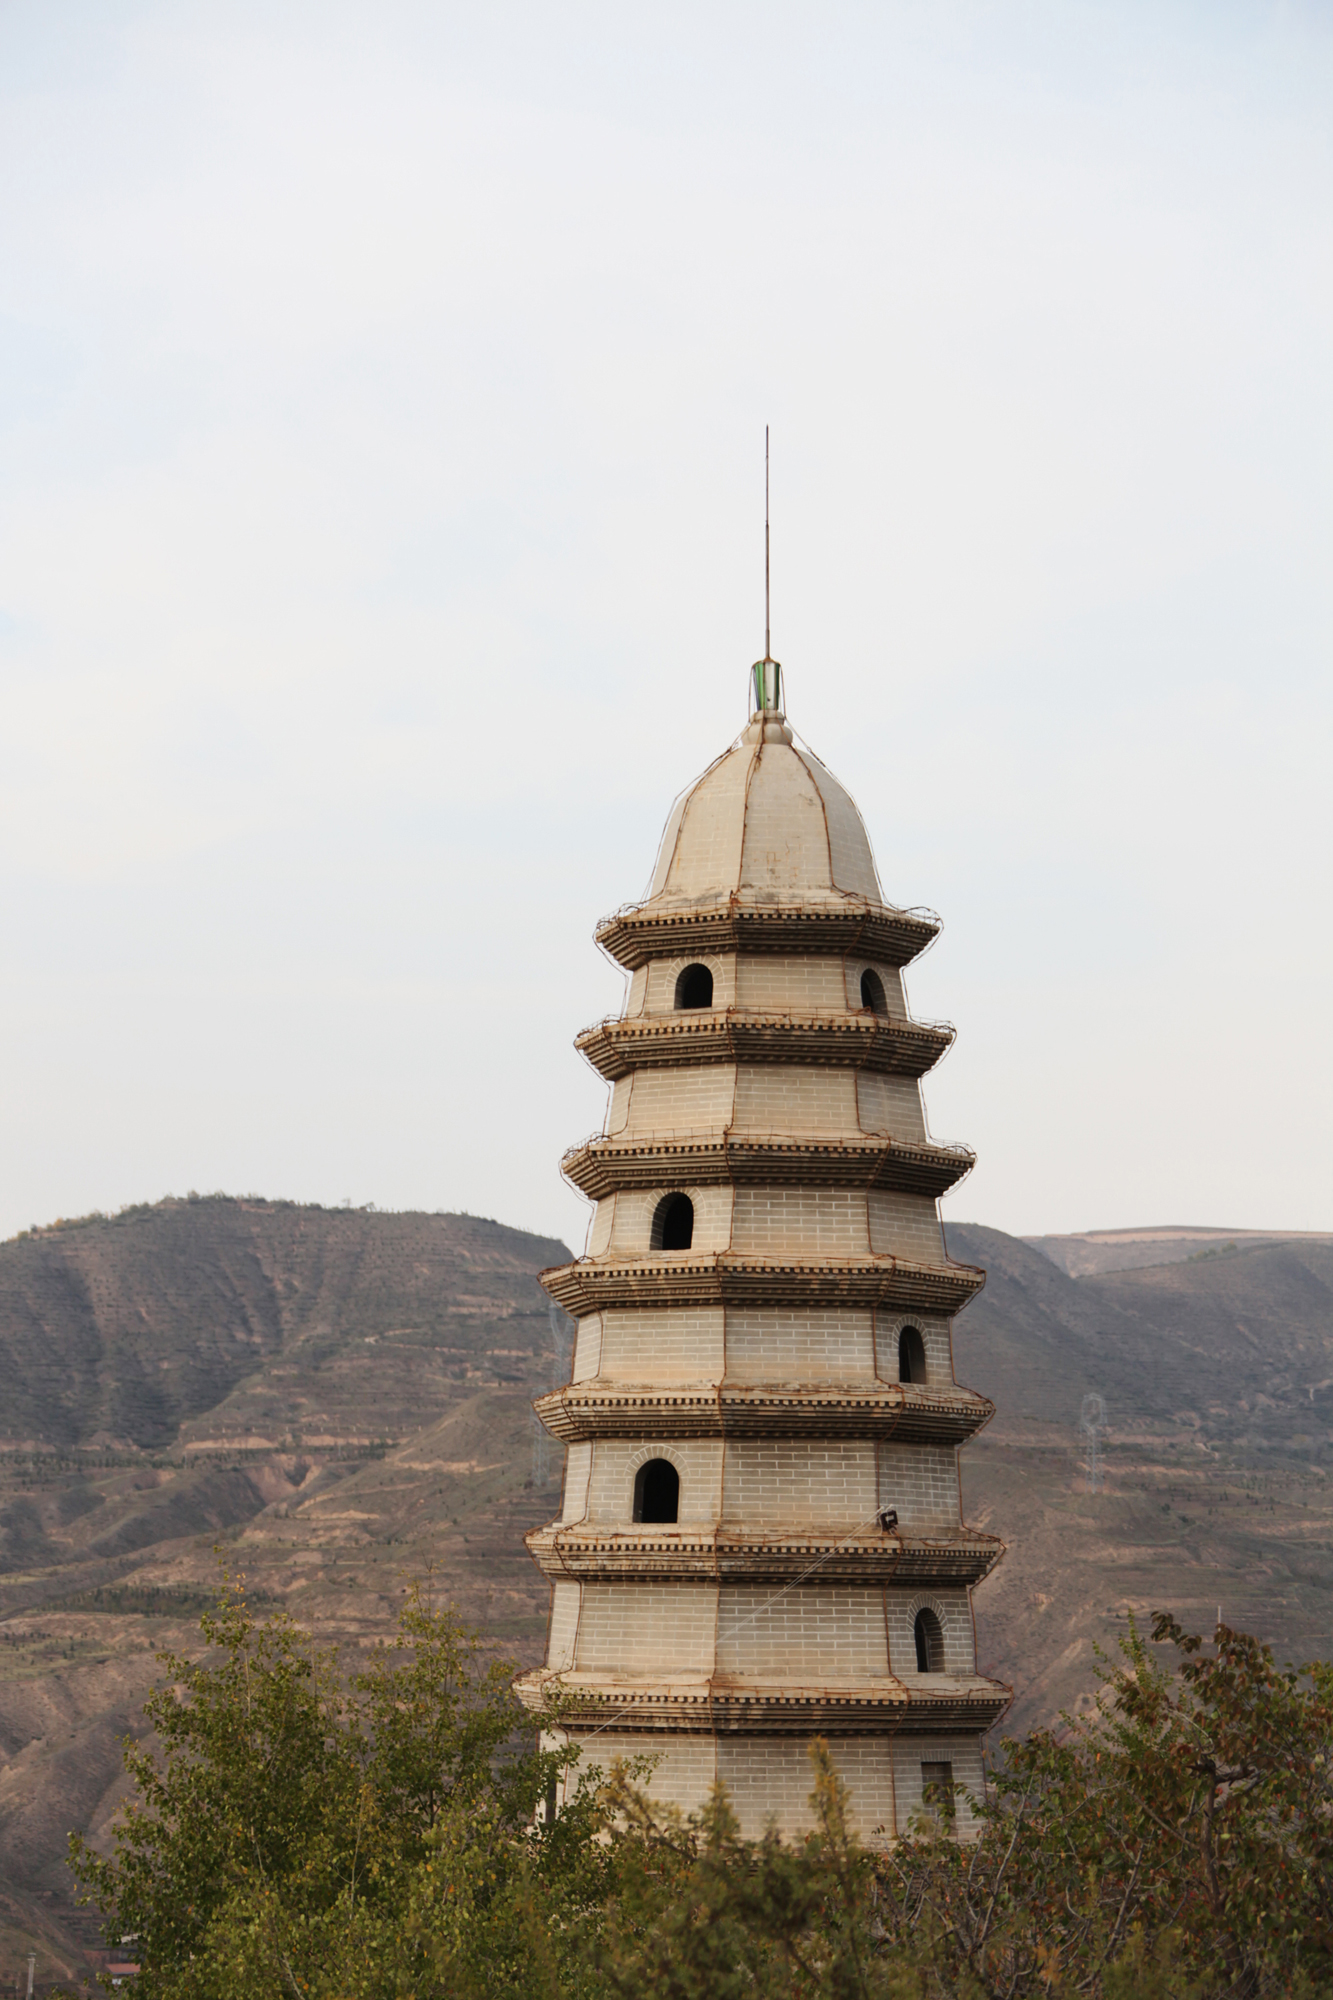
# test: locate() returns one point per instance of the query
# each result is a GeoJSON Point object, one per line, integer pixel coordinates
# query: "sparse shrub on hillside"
{"type": "Point", "coordinates": [380, 1838]}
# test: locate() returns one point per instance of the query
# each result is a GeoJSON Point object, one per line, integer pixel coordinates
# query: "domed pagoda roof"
{"type": "Point", "coordinates": [765, 823]}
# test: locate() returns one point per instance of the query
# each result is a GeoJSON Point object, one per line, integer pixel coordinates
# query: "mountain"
{"type": "Point", "coordinates": [1095, 1250]}
{"type": "Point", "coordinates": [1215, 1453]}
{"type": "Point", "coordinates": [339, 1399]}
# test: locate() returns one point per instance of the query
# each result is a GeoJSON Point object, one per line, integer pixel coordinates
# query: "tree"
{"type": "Point", "coordinates": [377, 1836]}
{"type": "Point", "coordinates": [1185, 1830]}
{"type": "Point", "coordinates": [290, 1832]}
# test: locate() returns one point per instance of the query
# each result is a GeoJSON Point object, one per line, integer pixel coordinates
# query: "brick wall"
{"type": "Point", "coordinates": [921, 1481]}
{"type": "Point", "coordinates": [794, 984]}
{"type": "Point", "coordinates": [564, 1625]}
{"type": "Point", "coordinates": [773, 1482]}
{"type": "Point", "coordinates": [800, 1344]}
{"type": "Point", "coordinates": [782, 1098]}
{"type": "Point", "coordinates": [892, 1105]}
{"type": "Point", "coordinates": [648, 1628]}
{"type": "Point", "coordinates": [623, 1223]}
{"type": "Point", "coordinates": [762, 1344]}
{"type": "Point", "coordinates": [670, 1102]}
{"type": "Point", "coordinates": [684, 1767]}
{"type": "Point", "coordinates": [666, 1345]}
{"type": "Point", "coordinates": [772, 1777]}
{"type": "Point", "coordinates": [851, 864]}
{"type": "Point", "coordinates": [587, 1348]}
{"type": "Point", "coordinates": [817, 1633]}
{"type": "Point", "coordinates": [905, 1225]}
{"type": "Point", "coordinates": [578, 1471]}
{"type": "Point", "coordinates": [706, 852]}
{"type": "Point", "coordinates": [660, 976]}
{"type": "Point", "coordinates": [800, 1222]}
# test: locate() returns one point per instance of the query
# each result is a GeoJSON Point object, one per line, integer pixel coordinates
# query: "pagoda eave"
{"type": "Point", "coordinates": [910, 1414]}
{"type": "Point", "coordinates": [681, 1279]}
{"type": "Point", "coordinates": [731, 1704]}
{"type": "Point", "coordinates": [661, 1554]}
{"type": "Point", "coordinates": [873, 931]}
{"type": "Point", "coordinates": [601, 1167]}
{"type": "Point", "coordinates": [616, 1047]}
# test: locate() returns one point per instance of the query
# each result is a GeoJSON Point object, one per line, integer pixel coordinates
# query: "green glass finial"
{"type": "Point", "coordinates": [767, 677]}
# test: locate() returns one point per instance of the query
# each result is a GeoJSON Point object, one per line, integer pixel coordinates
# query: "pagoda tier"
{"type": "Point", "coordinates": [721, 1409]}
{"type": "Point", "coordinates": [760, 1538]}
{"type": "Point", "coordinates": [867, 1041]}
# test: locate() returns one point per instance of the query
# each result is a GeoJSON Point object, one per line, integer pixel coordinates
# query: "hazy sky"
{"type": "Point", "coordinates": [382, 392]}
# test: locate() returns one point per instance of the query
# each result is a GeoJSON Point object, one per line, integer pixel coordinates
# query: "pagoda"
{"type": "Point", "coordinates": [761, 1538]}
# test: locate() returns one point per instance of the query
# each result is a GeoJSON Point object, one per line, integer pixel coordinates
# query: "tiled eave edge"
{"type": "Point", "coordinates": [728, 1703]}
{"type": "Point", "coordinates": [616, 1048]}
{"type": "Point", "coordinates": [601, 1167]}
{"type": "Point", "coordinates": [576, 1553]}
{"type": "Point", "coordinates": [678, 1279]}
{"type": "Point", "coordinates": [910, 1414]}
{"type": "Point", "coordinates": [893, 937]}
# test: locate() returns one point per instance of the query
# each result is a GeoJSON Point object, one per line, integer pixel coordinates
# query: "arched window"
{"type": "Point", "coordinates": [872, 992]}
{"type": "Point", "coordinates": [694, 988]}
{"type": "Point", "coordinates": [673, 1223]}
{"type": "Point", "coordinates": [929, 1643]}
{"type": "Point", "coordinates": [911, 1356]}
{"type": "Point", "coordinates": [657, 1491]}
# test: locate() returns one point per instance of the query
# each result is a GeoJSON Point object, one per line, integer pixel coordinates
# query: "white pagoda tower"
{"type": "Point", "coordinates": [761, 1538]}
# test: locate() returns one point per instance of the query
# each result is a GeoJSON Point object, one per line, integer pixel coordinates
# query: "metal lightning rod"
{"type": "Point", "coordinates": [768, 640]}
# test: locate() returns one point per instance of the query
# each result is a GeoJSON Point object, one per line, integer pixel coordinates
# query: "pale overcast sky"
{"type": "Point", "coordinates": [382, 402]}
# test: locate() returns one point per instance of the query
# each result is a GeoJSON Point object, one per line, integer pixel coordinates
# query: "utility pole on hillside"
{"type": "Point", "coordinates": [1092, 1423]}
{"type": "Point", "coordinates": [544, 1447]}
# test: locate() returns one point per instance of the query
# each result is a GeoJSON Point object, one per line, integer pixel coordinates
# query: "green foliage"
{"type": "Point", "coordinates": [290, 1833]}
{"type": "Point", "coordinates": [378, 1836]}
{"type": "Point", "coordinates": [1181, 1839]}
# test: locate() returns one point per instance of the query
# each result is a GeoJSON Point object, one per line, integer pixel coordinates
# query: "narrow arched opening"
{"type": "Point", "coordinates": [911, 1355]}
{"type": "Point", "coordinates": [937, 1799]}
{"type": "Point", "coordinates": [657, 1491]}
{"type": "Point", "coordinates": [929, 1643]}
{"type": "Point", "coordinates": [872, 992]}
{"type": "Point", "coordinates": [694, 988]}
{"type": "Point", "coordinates": [673, 1223]}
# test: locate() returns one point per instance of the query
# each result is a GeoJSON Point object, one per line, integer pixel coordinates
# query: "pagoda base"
{"type": "Point", "coordinates": [769, 1780]}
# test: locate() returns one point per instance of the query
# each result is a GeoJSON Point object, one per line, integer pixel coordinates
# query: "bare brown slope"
{"type": "Point", "coordinates": [124, 1330]}
{"type": "Point", "coordinates": [1216, 1489]}
{"type": "Point", "coordinates": [341, 1398]}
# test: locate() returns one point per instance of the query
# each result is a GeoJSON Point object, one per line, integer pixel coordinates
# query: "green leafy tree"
{"type": "Point", "coordinates": [1183, 1835]}
{"type": "Point", "coordinates": [286, 1834]}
